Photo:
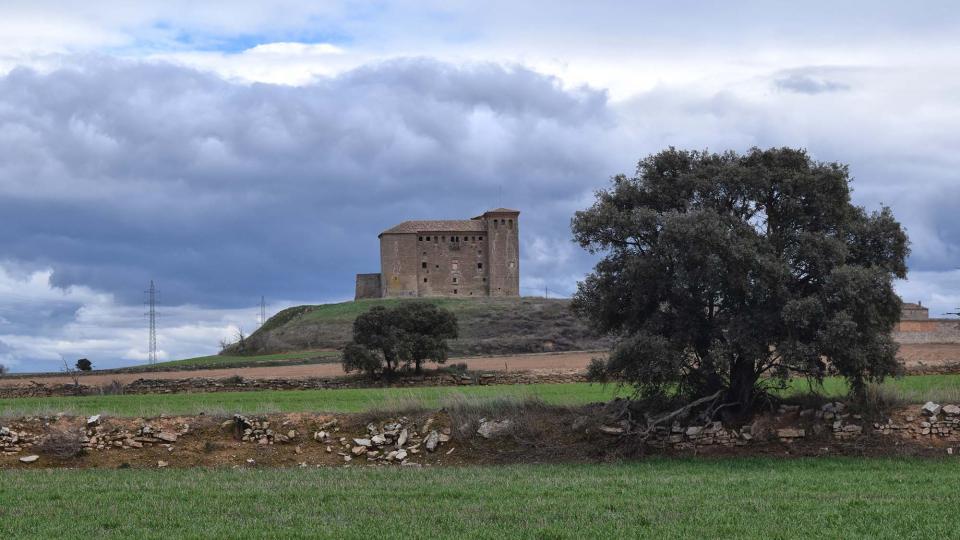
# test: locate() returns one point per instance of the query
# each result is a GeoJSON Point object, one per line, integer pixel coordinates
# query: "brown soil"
{"type": "Point", "coordinates": [519, 362]}
{"type": "Point", "coordinates": [541, 434]}
{"type": "Point", "coordinates": [929, 354]}
{"type": "Point", "coordinates": [915, 356]}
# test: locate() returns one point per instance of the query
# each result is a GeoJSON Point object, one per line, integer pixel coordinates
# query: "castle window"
{"type": "Point", "coordinates": [455, 266]}
{"type": "Point", "coordinates": [424, 280]}
{"type": "Point", "coordinates": [423, 265]}
{"type": "Point", "coordinates": [428, 239]}
{"type": "Point", "coordinates": [484, 280]}
{"type": "Point", "coordinates": [454, 291]}
{"type": "Point", "coordinates": [479, 252]}
{"type": "Point", "coordinates": [454, 280]}
{"type": "Point", "coordinates": [481, 239]}
{"type": "Point", "coordinates": [438, 266]}
{"type": "Point", "coordinates": [479, 266]}
{"type": "Point", "coordinates": [420, 238]}
{"type": "Point", "coordinates": [510, 223]}
{"type": "Point", "coordinates": [496, 223]}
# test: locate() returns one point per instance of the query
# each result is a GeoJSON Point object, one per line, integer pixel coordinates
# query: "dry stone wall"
{"type": "Point", "coordinates": [239, 384]}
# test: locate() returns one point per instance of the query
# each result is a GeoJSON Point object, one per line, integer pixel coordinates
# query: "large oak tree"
{"type": "Point", "coordinates": [730, 273]}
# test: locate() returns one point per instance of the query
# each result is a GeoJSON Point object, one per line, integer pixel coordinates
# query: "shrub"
{"type": "Point", "coordinates": [115, 388]}
{"type": "Point", "coordinates": [357, 357]}
{"type": "Point", "coordinates": [62, 445]}
{"type": "Point", "coordinates": [597, 370]}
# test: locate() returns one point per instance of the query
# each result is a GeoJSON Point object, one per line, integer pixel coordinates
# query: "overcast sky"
{"type": "Point", "coordinates": [230, 150]}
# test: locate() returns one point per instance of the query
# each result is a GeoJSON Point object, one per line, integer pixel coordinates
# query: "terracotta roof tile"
{"type": "Point", "coordinates": [455, 225]}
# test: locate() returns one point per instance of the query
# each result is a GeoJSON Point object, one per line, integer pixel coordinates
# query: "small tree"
{"type": "Point", "coordinates": [3, 370]}
{"type": "Point", "coordinates": [241, 342]}
{"type": "Point", "coordinates": [378, 332]}
{"type": "Point", "coordinates": [84, 365]}
{"type": "Point", "coordinates": [74, 375]}
{"type": "Point", "coordinates": [724, 273]}
{"type": "Point", "coordinates": [356, 357]}
{"type": "Point", "coordinates": [409, 334]}
{"type": "Point", "coordinates": [424, 331]}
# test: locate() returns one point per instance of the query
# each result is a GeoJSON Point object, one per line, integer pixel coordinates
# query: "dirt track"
{"type": "Point", "coordinates": [913, 354]}
{"type": "Point", "coordinates": [523, 362]}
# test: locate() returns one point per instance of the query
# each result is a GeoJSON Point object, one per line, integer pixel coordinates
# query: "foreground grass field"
{"type": "Point", "coordinates": [913, 389]}
{"type": "Point", "coordinates": [736, 498]}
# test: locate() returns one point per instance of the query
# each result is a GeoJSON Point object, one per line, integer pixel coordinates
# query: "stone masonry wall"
{"type": "Point", "coordinates": [503, 230]}
{"type": "Point", "coordinates": [399, 260]}
{"type": "Point", "coordinates": [368, 286]}
{"type": "Point", "coordinates": [452, 263]}
{"type": "Point", "coordinates": [927, 331]}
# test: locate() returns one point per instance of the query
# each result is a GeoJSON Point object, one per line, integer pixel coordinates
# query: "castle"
{"type": "Point", "coordinates": [468, 257]}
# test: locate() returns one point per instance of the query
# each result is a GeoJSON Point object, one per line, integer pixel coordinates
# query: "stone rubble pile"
{"type": "Point", "coordinates": [394, 442]}
{"type": "Point", "coordinates": [683, 437]}
{"type": "Point", "coordinates": [98, 436]}
{"type": "Point", "coordinates": [260, 432]}
{"type": "Point", "coordinates": [935, 421]}
{"type": "Point", "coordinates": [13, 441]}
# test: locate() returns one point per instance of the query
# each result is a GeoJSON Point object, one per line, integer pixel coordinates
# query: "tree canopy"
{"type": "Point", "coordinates": [385, 339]}
{"type": "Point", "coordinates": [84, 365]}
{"type": "Point", "coordinates": [729, 272]}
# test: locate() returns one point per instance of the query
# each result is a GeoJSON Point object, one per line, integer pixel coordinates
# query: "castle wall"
{"type": "Point", "coordinates": [398, 265]}
{"type": "Point", "coordinates": [456, 258]}
{"type": "Point", "coordinates": [914, 312]}
{"type": "Point", "coordinates": [452, 263]}
{"type": "Point", "coordinates": [927, 331]}
{"type": "Point", "coordinates": [504, 233]}
{"type": "Point", "coordinates": [368, 286]}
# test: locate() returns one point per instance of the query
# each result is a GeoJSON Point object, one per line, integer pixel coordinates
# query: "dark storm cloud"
{"type": "Point", "coordinates": [114, 173]}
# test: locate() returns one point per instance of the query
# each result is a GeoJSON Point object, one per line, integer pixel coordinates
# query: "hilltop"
{"type": "Point", "coordinates": [487, 326]}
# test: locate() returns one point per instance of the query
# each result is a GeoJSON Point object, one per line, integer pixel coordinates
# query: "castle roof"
{"type": "Point", "coordinates": [451, 225]}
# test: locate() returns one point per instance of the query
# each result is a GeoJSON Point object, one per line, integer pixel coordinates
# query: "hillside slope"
{"type": "Point", "coordinates": [487, 326]}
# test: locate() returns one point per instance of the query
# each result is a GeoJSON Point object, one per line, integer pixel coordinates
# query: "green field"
{"type": "Point", "coordinates": [914, 389]}
{"type": "Point", "coordinates": [487, 326]}
{"type": "Point", "coordinates": [334, 401]}
{"type": "Point", "coordinates": [660, 498]}
{"type": "Point", "coordinates": [224, 361]}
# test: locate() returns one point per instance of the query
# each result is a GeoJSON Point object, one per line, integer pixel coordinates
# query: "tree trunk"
{"type": "Point", "coordinates": [742, 386]}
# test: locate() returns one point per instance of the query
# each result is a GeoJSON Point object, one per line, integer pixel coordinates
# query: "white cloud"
{"type": "Point", "coordinates": [91, 324]}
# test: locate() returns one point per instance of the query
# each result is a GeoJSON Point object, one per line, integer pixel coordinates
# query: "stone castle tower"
{"type": "Point", "coordinates": [458, 258]}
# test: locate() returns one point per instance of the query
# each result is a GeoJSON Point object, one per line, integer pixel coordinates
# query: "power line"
{"type": "Point", "coordinates": [151, 301]}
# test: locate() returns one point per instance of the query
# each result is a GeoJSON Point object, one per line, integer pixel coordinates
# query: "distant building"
{"type": "Point", "coordinates": [914, 312]}
{"type": "Point", "coordinates": [468, 257]}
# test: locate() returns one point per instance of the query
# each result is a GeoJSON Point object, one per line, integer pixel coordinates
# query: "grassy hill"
{"type": "Point", "coordinates": [487, 326]}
